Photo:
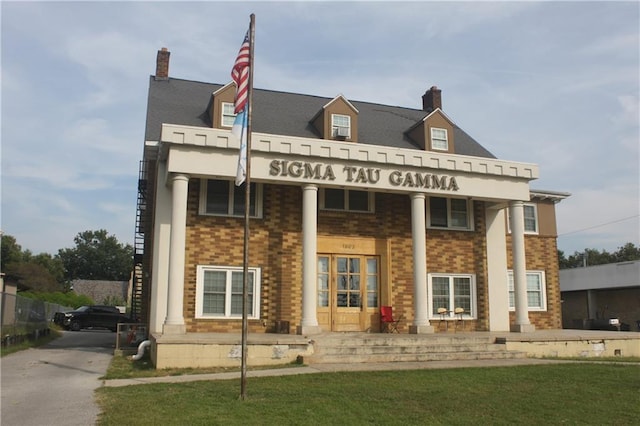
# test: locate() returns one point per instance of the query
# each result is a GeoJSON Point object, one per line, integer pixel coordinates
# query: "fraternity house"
{"type": "Point", "coordinates": [354, 206]}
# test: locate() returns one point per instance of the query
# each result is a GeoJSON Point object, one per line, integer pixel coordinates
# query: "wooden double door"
{"type": "Point", "coordinates": [348, 292]}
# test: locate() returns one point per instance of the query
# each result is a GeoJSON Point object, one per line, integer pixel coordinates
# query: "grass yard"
{"type": "Point", "coordinates": [596, 394]}
{"type": "Point", "coordinates": [30, 343]}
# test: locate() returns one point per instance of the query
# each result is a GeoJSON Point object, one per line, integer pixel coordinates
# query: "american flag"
{"type": "Point", "coordinates": [240, 74]}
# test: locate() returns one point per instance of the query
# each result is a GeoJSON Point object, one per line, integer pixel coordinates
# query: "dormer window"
{"type": "Point", "coordinates": [341, 126]}
{"type": "Point", "coordinates": [439, 139]}
{"type": "Point", "coordinates": [228, 116]}
{"type": "Point", "coordinates": [337, 120]}
{"type": "Point", "coordinates": [220, 108]}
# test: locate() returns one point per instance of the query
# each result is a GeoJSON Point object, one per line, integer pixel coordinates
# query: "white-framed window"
{"type": "Point", "coordinates": [347, 200]}
{"type": "Point", "coordinates": [228, 116]}
{"type": "Point", "coordinates": [451, 291]}
{"type": "Point", "coordinates": [536, 291]}
{"type": "Point", "coordinates": [340, 126]}
{"type": "Point", "coordinates": [224, 198]}
{"type": "Point", "coordinates": [219, 292]}
{"type": "Point", "coordinates": [449, 213]}
{"type": "Point", "coordinates": [530, 219]}
{"type": "Point", "coordinates": [530, 213]}
{"type": "Point", "coordinates": [439, 139]}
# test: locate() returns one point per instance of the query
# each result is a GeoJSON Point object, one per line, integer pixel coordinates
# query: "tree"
{"type": "Point", "coordinates": [627, 252]}
{"type": "Point", "coordinates": [11, 252]}
{"type": "Point", "coordinates": [563, 263]}
{"type": "Point", "coordinates": [39, 273]}
{"type": "Point", "coordinates": [97, 256]}
{"type": "Point", "coordinates": [591, 257]}
{"type": "Point", "coordinates": [30, 276]}
{"type": "Point", "coordinates": [52, 263]}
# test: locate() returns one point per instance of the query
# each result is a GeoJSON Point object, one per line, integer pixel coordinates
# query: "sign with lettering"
{"type": "Point", "coordinates": [362, 175]}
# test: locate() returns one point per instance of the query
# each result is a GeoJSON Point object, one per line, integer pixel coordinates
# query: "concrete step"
{"type": "Point", "coordinates": [419, 357]}
{"type": "Point", "coordinates": [408, 349]}
{"type": "Point", "coordinates": [395, 339]}
{"type": "Point", "coordinates": [345, 348]}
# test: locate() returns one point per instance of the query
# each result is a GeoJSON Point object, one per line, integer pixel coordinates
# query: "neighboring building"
{"type": "Point", "coordinates": [101, 291]}
{"type": "Point", "coordinates": [354, 205]}
{"type": "Point", "coordinates": [7, 303]}
{"type": "Point", "coordinates": [594, 294]}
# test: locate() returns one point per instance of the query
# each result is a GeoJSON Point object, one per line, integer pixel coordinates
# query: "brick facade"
{"type": "Point", "coordinates": [542, 255]}
{"type": "Point", "coordinates": [276, 247]}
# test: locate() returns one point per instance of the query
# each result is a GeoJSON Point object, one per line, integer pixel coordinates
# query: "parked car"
{"type": "Point", "coordinates": [95, 316]}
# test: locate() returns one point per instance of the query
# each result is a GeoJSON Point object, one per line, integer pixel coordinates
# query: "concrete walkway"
{"type": "Point", "coordinates": [331, 368]}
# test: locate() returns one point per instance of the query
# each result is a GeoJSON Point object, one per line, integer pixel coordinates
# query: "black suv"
{"type": "Point", "coordinates": [96, 316]}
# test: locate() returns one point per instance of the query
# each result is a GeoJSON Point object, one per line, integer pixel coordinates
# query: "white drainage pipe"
{"type": "Point", "coordinates": [141, 348]}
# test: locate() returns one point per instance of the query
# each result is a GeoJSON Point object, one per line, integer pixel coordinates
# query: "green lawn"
{"type": "Point", "coordinates": [596, 394]}
{"type": "Point", "coordinates": [31, 343]}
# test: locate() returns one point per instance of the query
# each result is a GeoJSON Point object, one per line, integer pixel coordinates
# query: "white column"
{"type": "Point", "coordinates": [516, 220]}
{"type": "Point", "coordinates": [174, 323]}
{"type": "Point", "coordinates": [498, 282]}
{"type": "Point", "coordinates": [419, 238]}
{"type": "Point", "coordinates": [309, 323]}
{"type": "Point", "coordinates": [160, 252]}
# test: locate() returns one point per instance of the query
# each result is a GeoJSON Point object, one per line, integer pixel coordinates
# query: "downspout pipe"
{"type": "Point", "coordinates": [141, 348]}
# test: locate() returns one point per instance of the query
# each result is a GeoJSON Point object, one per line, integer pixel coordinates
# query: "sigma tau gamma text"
{"type": "Point", "coordinates": [362, 175]}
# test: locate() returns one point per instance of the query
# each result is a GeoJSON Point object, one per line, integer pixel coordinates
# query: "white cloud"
{"type": "Point", "coordinates": [602, 218]}
{"type": "Point", "coordinates": [630, 106]}
{"type": "Point", "coordinates": [555, 83]}
{"type": "Point", "coordinates": [615, 45]}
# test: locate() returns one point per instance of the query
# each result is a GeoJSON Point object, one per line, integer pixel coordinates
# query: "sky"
{"type": "Point", "coordinates": [551, 83]}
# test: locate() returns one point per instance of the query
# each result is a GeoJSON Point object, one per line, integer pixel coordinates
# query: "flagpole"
{"type": "Point", "coordinates": [247, 205]}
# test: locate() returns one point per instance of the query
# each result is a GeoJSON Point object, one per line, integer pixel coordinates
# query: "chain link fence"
{"type": "Point", "coordinates": [23, 318]}
{"type": "Point", "coordinates": [130, 335]}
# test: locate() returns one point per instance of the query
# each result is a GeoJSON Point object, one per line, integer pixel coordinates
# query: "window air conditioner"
{"type": "Point", "coordinates": [342, 132]}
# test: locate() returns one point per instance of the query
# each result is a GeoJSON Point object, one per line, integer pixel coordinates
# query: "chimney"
{"type": "Point", "coordinates": [432, 99]}
{"type": "Point", "coordinates": [162, 64]}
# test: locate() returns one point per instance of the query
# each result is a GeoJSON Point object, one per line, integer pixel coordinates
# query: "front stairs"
{"type": "Point", "coordinates": [340, 348]}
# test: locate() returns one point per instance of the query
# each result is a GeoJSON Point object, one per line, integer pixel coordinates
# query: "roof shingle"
{"type": "Point", "coordinates": [185, 102]}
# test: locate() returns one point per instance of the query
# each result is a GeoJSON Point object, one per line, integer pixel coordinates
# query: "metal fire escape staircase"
{"type": "Point", "coordinates": [139, 303]}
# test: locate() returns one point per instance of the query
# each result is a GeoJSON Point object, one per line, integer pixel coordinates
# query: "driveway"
{"type": "Point", "coordinates": [54, 384]}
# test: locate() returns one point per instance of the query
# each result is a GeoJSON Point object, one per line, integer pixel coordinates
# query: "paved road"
{"type": "Point", "coordinates": [54, 385]}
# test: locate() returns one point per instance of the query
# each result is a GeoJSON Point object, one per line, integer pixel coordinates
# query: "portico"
{"type": "Point", "coordinates": [192, 153]}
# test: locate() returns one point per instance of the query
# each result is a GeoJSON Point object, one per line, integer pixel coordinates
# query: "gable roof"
{"type": "Point", "coordinates": [346, 101]}
{"type": "Point", "coordinates": [185, 102]}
